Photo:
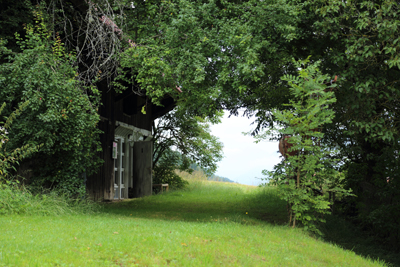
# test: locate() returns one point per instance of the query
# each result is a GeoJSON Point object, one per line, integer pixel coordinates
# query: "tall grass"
{"type": "Point", "coordinates": [197, 175]}
{"type": "Point", "coordinates": [15, 199]}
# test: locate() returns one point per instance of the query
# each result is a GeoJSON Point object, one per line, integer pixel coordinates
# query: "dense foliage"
{"type": "Point", "coordinates": [365, 53]}
{"type": "Point", "coordinates": [188, 135]}
{"type": "Point", "coordinates": [181, 140]}
{"type": "Point", "coordinates": [233, 54]}
{"type": "Point", "coordinates": [9, 158]}
{"type": "Point", "coordinates": [164, 172]}
{"type": "Point", "coordinates": [309, 168]}
{"type": "Point", "coordinates": [219, 53]}
{"type": "Point", "coordinates": [61, 113]}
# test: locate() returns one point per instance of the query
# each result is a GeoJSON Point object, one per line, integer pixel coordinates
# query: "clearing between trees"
{"type": "Point", "coordinates": [206, 224]}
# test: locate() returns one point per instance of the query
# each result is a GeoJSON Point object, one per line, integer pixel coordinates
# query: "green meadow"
{"type": "Point", "coordinates": [206, 224]}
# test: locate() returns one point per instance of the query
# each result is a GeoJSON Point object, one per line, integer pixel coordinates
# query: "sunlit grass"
{"type": "Point", "coordinates": [206, 201]}
{"type": "Point", "coordinates": [208, 224]}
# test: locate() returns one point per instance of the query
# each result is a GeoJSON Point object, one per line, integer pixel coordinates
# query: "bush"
{"type": "Point", "coordinates": [167, 175]}
{"type": "Point", "coordinates": [8, 158]}
{"type": "Point", "coordinates": [61, 113]}
{"type": "Point", "coordinates": [16, 199]}
{"type": "Point", "coordinates": [164, 169]}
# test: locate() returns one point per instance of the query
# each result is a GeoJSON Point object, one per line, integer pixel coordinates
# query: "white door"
{"type": "Point", "coordinates": [119, 169]}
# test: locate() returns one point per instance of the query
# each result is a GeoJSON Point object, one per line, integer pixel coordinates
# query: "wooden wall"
{"type": "Point", "coordinates": [142, 169]}
{"type": "Point", "coordinates": [100, 186]}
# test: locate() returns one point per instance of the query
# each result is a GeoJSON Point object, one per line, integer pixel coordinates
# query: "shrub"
{"type": "Point", "coordinates": [8, 159]}
{"type": "Point", "coordinates": [167, 175]}
{"type": "Point", "coordinates": [310, 168]}
{"type": "Point", "coordinates": [16, 199]}
{"type": "Point", "coordinates": [61, 112]}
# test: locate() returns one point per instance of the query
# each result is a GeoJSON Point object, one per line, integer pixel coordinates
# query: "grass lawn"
{"type": "Point", "coordinates": [208, 224]}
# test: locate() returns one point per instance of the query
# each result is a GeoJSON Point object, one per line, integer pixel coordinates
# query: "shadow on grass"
{"type": "Point", "coordinates": [258, 208]}
{"type": "Point", "coordinates": [236, 206]}
{"type": "Point", "coordinates": [346, 235]}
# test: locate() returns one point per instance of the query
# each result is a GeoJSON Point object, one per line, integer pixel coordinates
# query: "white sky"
{"type": "Point", "coordinates": [243, 159]}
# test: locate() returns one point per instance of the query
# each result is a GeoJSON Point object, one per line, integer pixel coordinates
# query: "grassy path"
{"type": "Point", "coordinates": [210, 224]}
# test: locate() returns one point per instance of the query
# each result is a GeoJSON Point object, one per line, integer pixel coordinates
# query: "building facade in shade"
{"type": "Point", "coordinates": [127, 146]}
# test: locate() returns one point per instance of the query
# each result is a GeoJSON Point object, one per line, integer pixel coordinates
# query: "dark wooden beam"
{"type": "Point", "coordinates": [123, 95]}
{"type": "Point", "coordinates": [159, 111]}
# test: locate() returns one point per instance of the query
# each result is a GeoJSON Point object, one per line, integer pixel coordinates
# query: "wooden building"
{"type": "Point", "coordinates": [126, 118]}
{"type": "Point", "coordinates": [126, 121]}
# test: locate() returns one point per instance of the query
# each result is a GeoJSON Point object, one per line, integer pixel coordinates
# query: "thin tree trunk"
{"type": "Point", "coordinates": [298, 178]}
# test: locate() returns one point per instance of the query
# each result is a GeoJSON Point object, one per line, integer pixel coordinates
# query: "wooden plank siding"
{"type": "Point", "coordinates": [142, 169]}
{"type": "Point", "coordinates": [100, 185]}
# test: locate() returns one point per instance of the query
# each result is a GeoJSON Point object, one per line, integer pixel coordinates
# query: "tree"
{"type": "Point", "coordinates": [232, 55]}
{"type": "Point", "coordinates": [308, 167]}
{"type": "Point", "coordinates": [180, 139]}
{"type": "Point", "coordinates": [364, 53]}
{"type": "Point", "coordinates": [219, 53]}
{"type": "Point", "coordinates": [165, 170]}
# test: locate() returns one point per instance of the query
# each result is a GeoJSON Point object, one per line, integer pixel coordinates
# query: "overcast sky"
{"type": "Point", "coordinates": [243, 159]}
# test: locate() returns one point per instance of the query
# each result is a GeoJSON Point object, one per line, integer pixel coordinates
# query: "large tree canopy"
{"type": "Point", "coordinates": [222, 54]}
{"type": "Point", "coordinates": [230, 55]}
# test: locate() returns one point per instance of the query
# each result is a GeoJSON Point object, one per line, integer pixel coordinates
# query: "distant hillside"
{"type": "Point", "coordinates": [219, 179]}
{"type": "Point", "coordinates": [212, 177]}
